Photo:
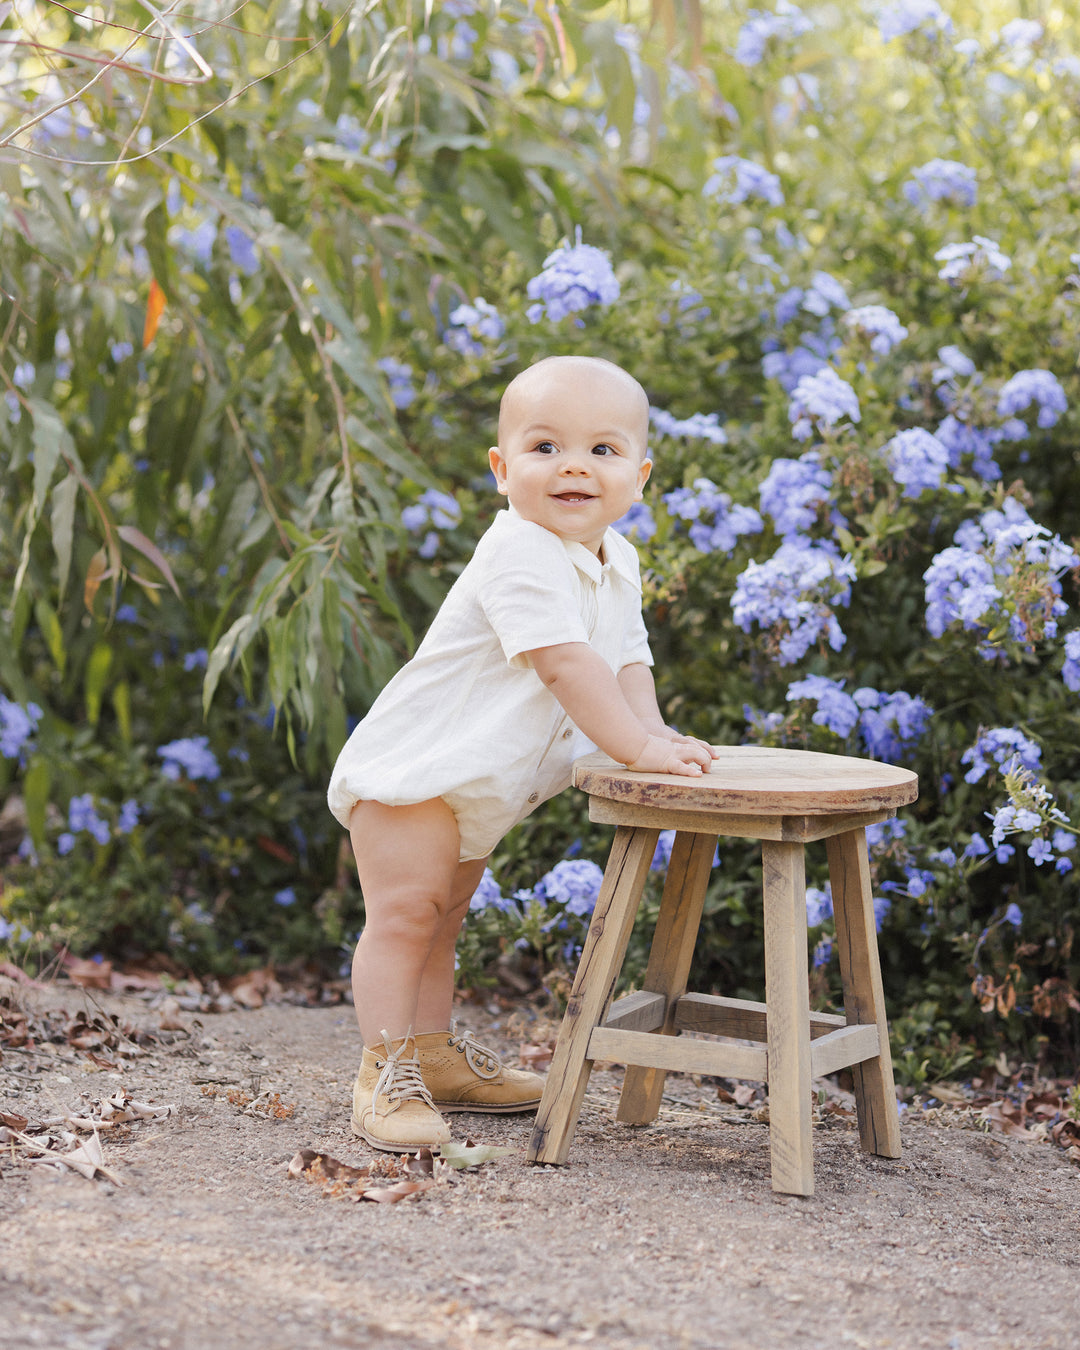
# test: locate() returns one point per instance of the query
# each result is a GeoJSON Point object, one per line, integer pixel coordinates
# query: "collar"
{"type": "Point", "coordinates": [620, 555]}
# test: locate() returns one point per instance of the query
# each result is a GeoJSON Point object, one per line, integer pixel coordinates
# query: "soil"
{"type": "Point", "coordinates": [666, 1237]}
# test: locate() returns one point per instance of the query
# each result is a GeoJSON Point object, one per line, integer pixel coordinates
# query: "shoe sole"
{"type": "Point", "coordinates": [484, 1109]}
{"type": "Point", "coordinates": [386, 1146]}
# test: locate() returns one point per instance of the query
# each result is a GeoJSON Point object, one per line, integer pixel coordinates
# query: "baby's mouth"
{"type": "Point", "coordinates": [573, 496]}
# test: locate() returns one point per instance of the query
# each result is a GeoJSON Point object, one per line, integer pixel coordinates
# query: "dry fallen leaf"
{"type": "Point", "coordinates": [469, 1154]}
{"type": "Point", "coordinates": [169, 1018]}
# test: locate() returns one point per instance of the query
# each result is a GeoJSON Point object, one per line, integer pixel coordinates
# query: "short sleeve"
{"type": "Point", "coordinates": [528, 592]}
{"type": "Point", "coordinates": [636, 649]}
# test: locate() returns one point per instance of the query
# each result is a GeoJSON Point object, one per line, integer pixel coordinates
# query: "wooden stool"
{"type": "Point", "coordinates": [785, 798]}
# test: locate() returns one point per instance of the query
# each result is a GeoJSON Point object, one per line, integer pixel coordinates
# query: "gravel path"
{"type": "Point", "coordinates": [665, 1238]}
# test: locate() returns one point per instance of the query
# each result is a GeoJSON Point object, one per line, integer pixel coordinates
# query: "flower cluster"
{"type": "Point", "coordinates": [488, 895]}
{"type": "Point", "coordinates": [761, 27]}
{"type": "Point", "coordinates": [436, 509]}
{"type": "Point", "coordinates": [1004, 747]}
{"type": "Point", "coordinates": [83, 816]}
{"type": "Point", "coordinates": [696, 427]}
{"type": "Point", "coordinates": [917, 460]}
{"type": "Point", "coordinates": [638, 523]}
{"type": "Point", "coordinates": [735, 179]}
{"type": "Point", "coordinates": [574, 883]}
{"type": "Point", "coordinates": [1070, 671]}
{"type": "Point", "coordinates": [955, 365]}
{"type": "Point", "coordinates": [399, 375]}
{"type": "Point", "coordinates": [793, 492]}
{"type": "Point", "coordinates": [1033, 386]}
{"type": "Point", "coordinates": [471, 327]}
{"type": "Point", "coordinates": [878, 325]}
{"type": "Point", "coordinates": [889, 725]}
{"type": "Point", "coordinates": [1003, 563]}
{"type": "Point", "coordinates": [911, 16]}
{"type": "Point", "coordinates": [17, 726]}
{"type": "Point", "coordinates": [716, 523]}
{"type": "Point", "coordinates": [963, 262]}
{"type": "Point", "coordinates": [572, 278]}
{"type": "Point", "coordinates": [942, 180]}
{"type": "Point", "coordinates": [191, 755]}
{"type": "Point", "coordinates": [819, 401]}
{"type": "Point", "coordinates": [791, 594]}
{"type": "Point", "coordinates": [1031, 809]}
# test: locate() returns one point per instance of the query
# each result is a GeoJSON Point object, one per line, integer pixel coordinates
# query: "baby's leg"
{"type": "Point", "coordinates": [416, 894]}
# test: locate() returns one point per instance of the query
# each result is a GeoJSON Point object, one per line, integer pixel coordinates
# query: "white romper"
{"type": "Point", "coordinates": [468, 719]}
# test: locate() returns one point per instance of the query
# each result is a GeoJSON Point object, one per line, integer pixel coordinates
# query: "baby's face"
{"type": "Point", "coordinates": [572, 449]}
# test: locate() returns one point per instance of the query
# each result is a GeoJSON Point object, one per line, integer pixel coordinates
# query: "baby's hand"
{"type": "Point", "coordinates": [683, 755]}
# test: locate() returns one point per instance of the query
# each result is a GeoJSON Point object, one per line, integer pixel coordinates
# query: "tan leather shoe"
{"type": "Point", "coordinates": [392, 1109]}
{"type": "Point", "coordinates": [463, 1075]}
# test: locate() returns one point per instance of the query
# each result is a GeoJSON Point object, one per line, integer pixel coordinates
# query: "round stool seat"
{"type": "Point", "coordinates": [757, 780]}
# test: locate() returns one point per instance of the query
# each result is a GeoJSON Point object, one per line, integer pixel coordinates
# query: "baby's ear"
{"type": "Point", "coordinates": [498, 468]}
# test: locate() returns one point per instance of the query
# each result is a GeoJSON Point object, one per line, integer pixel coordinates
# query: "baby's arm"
{"type": "Point", "coordinates": [620, 717]}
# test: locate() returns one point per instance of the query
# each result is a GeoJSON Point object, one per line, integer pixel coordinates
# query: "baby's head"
{"type": "Point", "coordinates": [573, 445]}
{"type": "Point", "coordinates": [556, 381]}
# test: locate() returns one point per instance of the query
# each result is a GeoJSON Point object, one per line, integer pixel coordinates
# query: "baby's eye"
{"type": "Point", "coordinates": [546, 448]}
{"type": "Point", "coordinates": [604, 449]}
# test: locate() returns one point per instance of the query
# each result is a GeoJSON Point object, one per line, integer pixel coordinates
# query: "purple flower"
{"type": "Point", "coordinates": [819, 905]}
{"type": "Point", "coordinates": [191, 755]}
{"type": "Point", "coordinates": [473, 326]}
{"type": "Point", "coordinates": [399, 376]}
{"type": "Point", "coordinates": [961, 261]}
{"type": "Point", "coordinates": [1070, 671]}
{"type": "Point", "coordinates": [878, 324]}
{"type": "Point", "coordinates": [129, 816]}
{"type": "Point", "coordinates": [954, 364]}
{"type": "Point", "coordinates": [917, 460]}
{"type": "Point", "coordinates": [735, 179]}
{"type": "Point", "coordinates": [17, 726]}
{"type": "Point", "coordinates": [696, 427]}
{"type": "Point", "coordinates": [1021, 34]}
{"type": "Point", "coordinates": [836, 710]}
{"type": "Point", "coordinates": [65, 843]}
{"type": "Point", "coordinates": [241, 250]}
{"type": "Point", "coordinates": [716, 522]}
{"type": "Point", "coordinates": [575, 884]}
{"type": "Point", "coordinates": [1033, 386]}
{"type": "Point", "coordinates": [1014, 915]}
{"type": "Point", "coordinates": [792, 594]}
{"type": "Point", "coordinates": [761, 27]}
{"type": "Point", "coordinates": [942, 180]}
{"type": "Point", "coordinates": [1008, 749]}
{"type": "Point", "coordinates": [819, 402]}
{"type": "Point", "coordinates": [891, 725]}
{"type": "Point", "coordinates": [638, 523]}
{"type": "Point", "coordinates": [793, 491]}
{"type": "Point", "coordinates": [824, 293]}
{"type": "Point", "coordinates": [572, 279]}
{"type": "Point", "coordinates": [285, 897]}
{"type": "Point", "coordinates": [1039, 851]}
{"type": "Point", "coordinates": [910, 16]}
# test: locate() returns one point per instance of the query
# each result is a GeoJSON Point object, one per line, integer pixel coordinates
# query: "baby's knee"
{"type": "Point", "coordinates": [408, 916]}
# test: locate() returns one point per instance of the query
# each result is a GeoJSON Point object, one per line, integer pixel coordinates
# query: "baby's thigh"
{"type": "Point", "coordinates": [405, 851]}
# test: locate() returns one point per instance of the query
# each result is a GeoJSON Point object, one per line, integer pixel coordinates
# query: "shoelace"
{"type": "Point", "coordinates": [401, 1080]}
{"type": "Point", "coordinates": [484, 1063]}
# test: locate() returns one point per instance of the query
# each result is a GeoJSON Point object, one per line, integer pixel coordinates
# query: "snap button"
{"type": "Point", "coordinates": [534, 797]}
{"type": "Point", "coordinates": [568, 733]}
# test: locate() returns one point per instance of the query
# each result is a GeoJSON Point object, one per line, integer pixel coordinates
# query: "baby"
{"type": "Point", "coordinates": [538, 653]}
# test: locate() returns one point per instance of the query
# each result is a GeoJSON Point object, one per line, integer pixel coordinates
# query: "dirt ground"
{"type": "Point", "coordinates": [666, 1237]}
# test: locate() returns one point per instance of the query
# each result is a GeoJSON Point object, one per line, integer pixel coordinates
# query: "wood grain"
{"type": "Point", "coordinates": [757, 780]}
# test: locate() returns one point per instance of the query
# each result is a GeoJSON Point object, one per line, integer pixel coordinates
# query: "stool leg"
{"type": "Point", "coordinates": [590, 999]}
{"type": "Point", "coordinates": [864, 999]}
{"type": "Point", "coordinates": [787, 998]}
{"type": "Point", "coordinates": [669, 961]}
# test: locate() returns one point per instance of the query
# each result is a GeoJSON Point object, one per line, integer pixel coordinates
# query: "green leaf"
{"type": "Point", "coordinates": [36, 785]}
{"type": "Point", "coordinates": [97, 673]}
{"type": "Point", "coordinates": [51, 440]}
{"type": "Point", "coordinates": [64, 496]}
{"type": "Point", "coordinates": [51, 632]}
{"type": "Point", "coordinates": [137, 540]}
{"type": "Point", "coordinates": [121, 701]}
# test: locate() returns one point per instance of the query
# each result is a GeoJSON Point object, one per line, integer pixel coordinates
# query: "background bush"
{"type": "Point", "coordinates": [226, 518]}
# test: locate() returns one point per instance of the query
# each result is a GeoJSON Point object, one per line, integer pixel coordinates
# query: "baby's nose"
{"type": "Point", "coordinates": [575, 464]}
